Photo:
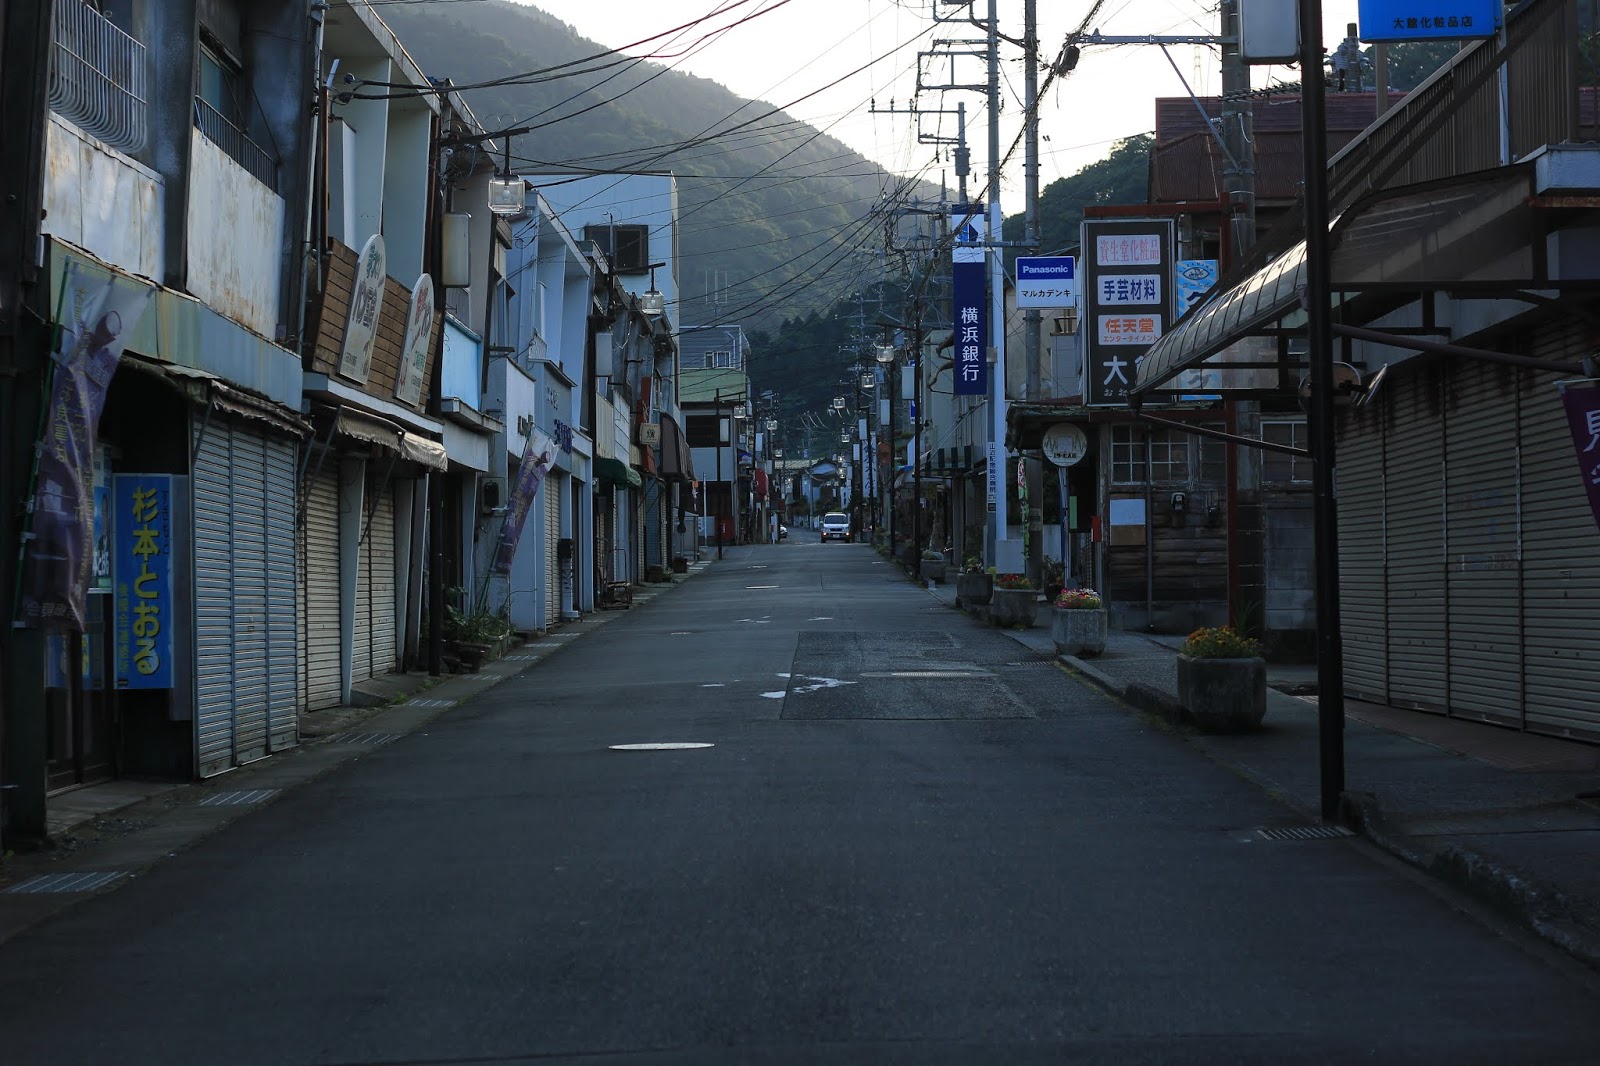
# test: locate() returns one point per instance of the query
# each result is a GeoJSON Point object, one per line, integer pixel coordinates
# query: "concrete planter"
{"type": "Point", "coordinates": [1223, 695]}
{"type": "Point", "coordinates": [973, 590]}
{"type": "Point", "coordinates": [935, 570]}
{"type": "Point", "coordinates": [1014, 608]}
{"type": "Point", "coordinates": [1078, 631]}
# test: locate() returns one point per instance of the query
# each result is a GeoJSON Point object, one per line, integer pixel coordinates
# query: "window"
{"type": "Point", "coordinates": [1214, 455]}
{"type": "Point", "coordinates": [700, 430]}
{"type": "Point", "coordinates": [99, 76]}
{"type": "Point", "coordinates": [219, 113]}
{"type": "Point", "coordinates": [1277, 467]}
{"type": "Point", "coordinates": [631, 254]}
{"type": "Point", "coordinates": [1168, 455]}
{"type": "Point", "coordinates": [718, 360]}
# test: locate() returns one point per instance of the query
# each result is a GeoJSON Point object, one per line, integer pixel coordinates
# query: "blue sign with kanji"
{"type": "Point", "coordinates": [971, 364]}
{"type": "Point", "coordinates": [142, 579]}
{"type": "Point", "coordinates": [1416, 20]}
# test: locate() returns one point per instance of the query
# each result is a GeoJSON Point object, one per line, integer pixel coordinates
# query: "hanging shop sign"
{"type": "Point", "coordinates": [419, 331]}
{"type": "Point", "coordinates": [1046, 281]}
{"type": "Point", "coordinates": [1582, 403]}
{"type": "Point", "coordinates": [1065, 444]}
{"type": "Point", "coordinates": [366, 301]}
{"type": "Point", "coordinates": [1413, 20]}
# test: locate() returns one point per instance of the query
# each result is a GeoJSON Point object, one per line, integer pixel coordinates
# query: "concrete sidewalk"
{"type": "Point", "coordinates": [103, 833]}
{"type": "Point", "coordinates": [1493, 811]}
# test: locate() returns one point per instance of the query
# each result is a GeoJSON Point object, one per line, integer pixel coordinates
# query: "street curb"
{"type": "Point", "coordinates": [1540, 909]}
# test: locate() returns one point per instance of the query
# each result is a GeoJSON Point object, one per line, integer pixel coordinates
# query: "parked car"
{"type": "Point", "coordinates": [835, 526]}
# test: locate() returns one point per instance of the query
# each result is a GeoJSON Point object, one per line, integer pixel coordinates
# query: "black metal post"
{"type": "Point", "coordinates": [722, 503]}
{"type": "Point", "coordinates": [916, 436]}
{"type": "Point", "coordinates": [892, 383]}
{"type": "Point", "coordinates": [1330, 657]}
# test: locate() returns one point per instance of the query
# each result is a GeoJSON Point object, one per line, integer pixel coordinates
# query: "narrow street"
{"type": "Point", "coordinates": [910, 842]}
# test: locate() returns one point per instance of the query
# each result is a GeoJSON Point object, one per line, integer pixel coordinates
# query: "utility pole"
{"type": "Point", "coordinates": [25, 36]}
{"type": "Point", "coordinates": [1246, 518]}
{"type": "Point", "coordinates": [1031, 317]}
{"type": "Point", "coordinates": [995, 467]}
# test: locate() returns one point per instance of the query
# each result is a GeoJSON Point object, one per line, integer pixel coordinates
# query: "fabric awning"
{"type": "Point", "coordinates": [616, 472]}
{"type": "Point", "coordinates": [390, 437]}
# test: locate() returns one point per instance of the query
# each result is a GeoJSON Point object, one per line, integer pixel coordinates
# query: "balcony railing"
{"type": "Point", "coordinates": [261, 164]}
{"type": "Point", "coordinates": [98, 77]}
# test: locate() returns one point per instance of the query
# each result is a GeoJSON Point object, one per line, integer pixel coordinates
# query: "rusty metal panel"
{"type": "Point", "coordinates": [102, 201]}
{"type": "Point", "coordinates": [235, 239]}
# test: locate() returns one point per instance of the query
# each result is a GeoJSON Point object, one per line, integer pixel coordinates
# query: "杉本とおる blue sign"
{"type": "Point", "coordinates": [1414, 20]}
{"type": "Point", "coordinates": [142, 519]}
{"type": "Point", "coordinates": [1046, 281]}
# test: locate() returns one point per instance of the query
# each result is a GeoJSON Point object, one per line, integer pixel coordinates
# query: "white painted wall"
{"type": "Point", "coordinates": [100, 200]}
{"type": "Point", "coordinates": [235, 239]}
{"type": "Point", "coordinates": [405, 194]}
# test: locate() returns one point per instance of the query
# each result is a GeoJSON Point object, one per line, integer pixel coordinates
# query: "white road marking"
{"type": "Point", "coordinates": [763, 586]}
{"type": "Point", "coordinates": [823, 618]}
{"type": "Point", "coordinates": [671, 745]}
{"type": "Point", "coordinates": [822, 683]}
{"type": "Point", "coordinates": [774, 695]}
{"type": "Point", "coordinates": [714, 684]}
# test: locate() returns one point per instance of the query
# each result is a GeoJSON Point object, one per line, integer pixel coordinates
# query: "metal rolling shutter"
{"type": "Point", "coordinates": [1414, 517]}
{"type": "Point", "coordinates": [552, 566]}
{"type": "Point", "coordinates": [322, 589]}
{"type": "Point", "coordinates": [1482, 550]}
{"type": "Point", "coordinates": [1560, 561]}
{"type": "Point", "coordinates": [244, 591]}
{"type": "Point", "coordinates": [647, 529]}
{"type": "Point", "coordinates": [378, 563]}
{"type": "Point", "coordinates": [1363, 609]}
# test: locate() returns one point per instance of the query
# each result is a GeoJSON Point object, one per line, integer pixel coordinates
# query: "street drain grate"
{"type": "Point", "coordinates": [85, 881]}
{"type": "Point", "coordinates": [522, 658]}
{"type": "Point", "coordinates": [429, 703]}
{"type": "Point", "coordinates": [1304, 832]}
{"type": "Point", "coordinates": [1034, 662]}
{"type": "Point", "coordinates": [238, 799]}
{"type": "Point", "coordinates": [363, 738]}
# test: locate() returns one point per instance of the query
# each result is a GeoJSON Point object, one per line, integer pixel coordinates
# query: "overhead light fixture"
{"type": "Point", "coordinates": [652, 302]}
{"type": "Point", "coordinates": [838, 403]}
{"type": "Point", "coordinates": [868, 381]}
{"type": "Point", "coordinates": [741, 412]}
{"type": "Point", "coordinates": [508, 194]}
{"type": "Point", "coordinates": [885, 353]}
{"type": "Point", "coordinates": [772, 425]}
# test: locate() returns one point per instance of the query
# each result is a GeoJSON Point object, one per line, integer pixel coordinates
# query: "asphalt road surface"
{"type": "Point", "coordinates": [911, 842]}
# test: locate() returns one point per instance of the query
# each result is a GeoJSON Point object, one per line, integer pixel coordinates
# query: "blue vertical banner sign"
{"type": "Point", "coordinates": [142, 538]}
{"type": "Point", "coordinates": [971, 326]}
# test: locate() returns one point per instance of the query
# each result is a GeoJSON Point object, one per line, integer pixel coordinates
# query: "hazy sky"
{"type": "Point", "coordinates": [792, 51]}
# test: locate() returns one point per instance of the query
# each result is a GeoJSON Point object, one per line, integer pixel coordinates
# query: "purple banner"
{"type": "Point", "coordinates": [97, 318]}
{"type": "Point", "coordinates": [1583, 418]}
{"type": "Point", "coordinates": [537, 455]}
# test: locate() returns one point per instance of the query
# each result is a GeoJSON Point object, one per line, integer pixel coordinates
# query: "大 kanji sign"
{"type": "Point", "coordinates": [1414, 20]}
{"type": "Point", "coordinates": [1127, 272]}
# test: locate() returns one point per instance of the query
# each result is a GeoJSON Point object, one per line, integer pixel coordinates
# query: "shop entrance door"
{"type": "Point", "coordinates": [78, 702]}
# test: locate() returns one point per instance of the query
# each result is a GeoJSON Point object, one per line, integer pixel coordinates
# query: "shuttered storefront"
{"type": "Point", "coordinates": [320, 537]}
{"type": "Point", "coordinates": [1363, 601]}
{"type": "Point", "coordinates": [1414, 523]}
{"type": "Point", "coordinates": [374, 644]}
{"type": "Point", "coordinates": [245, 594]}
{"type": "Point", "coordinates": [1484, 669]}
{"type": "Point", "coordinates": [552, 533]}
{"type": "Point", "coordinates": [1561, 559]}
{"type": "Point", "coordinates": [1470, 575]}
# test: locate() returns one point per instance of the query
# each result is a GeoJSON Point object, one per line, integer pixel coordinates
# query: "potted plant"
{"type": "Point", "coordinates": [1014, 602]}
{"type": "Point", "coordinates": [1053, 577]}
{"type": "Point", "coordinates": [1078, 622]}
{"type": "Point", "coordinates": [1222, 680]}
{"type": "Point", "coordinates": [934, 566]}
{"type": "Point", "coordinates": [974, 584]}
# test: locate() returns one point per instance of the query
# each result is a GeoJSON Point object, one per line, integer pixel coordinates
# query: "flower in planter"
{"type": "Point", "coordinates": [1079, 600]}
{"type": "Point", "coordinates": [1220, 642]}
{"type": "Point", "coordinates": [932, 556]}
{"type": "Point", "coordinates": [972, 565]}
{"type": "Point", "coordinates": [1011, 581]}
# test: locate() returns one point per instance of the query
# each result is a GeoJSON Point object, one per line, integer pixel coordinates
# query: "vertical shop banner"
{"type": "Point", "coordinates": [414, 352]}
{"type": "Point", "coordinates": [971, 329]}
{"type": "Point", "coordinates": [97, 317]}
{"type": "Point", "coordinates": [1582, 402]}
{"type": "Point", "coordinates": [1127, 278]}
{"type": "Point", "coordinates": [537, 455]}
{"type": "Point", "coordinates": [142, 542]}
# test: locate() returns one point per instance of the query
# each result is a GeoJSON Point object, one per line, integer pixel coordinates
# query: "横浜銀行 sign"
{"type": "Point", "coordinates": [1413, 20]}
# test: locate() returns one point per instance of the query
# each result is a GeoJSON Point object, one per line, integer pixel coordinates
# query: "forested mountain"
{"type": "Point", "coordinates": [767, 203]}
